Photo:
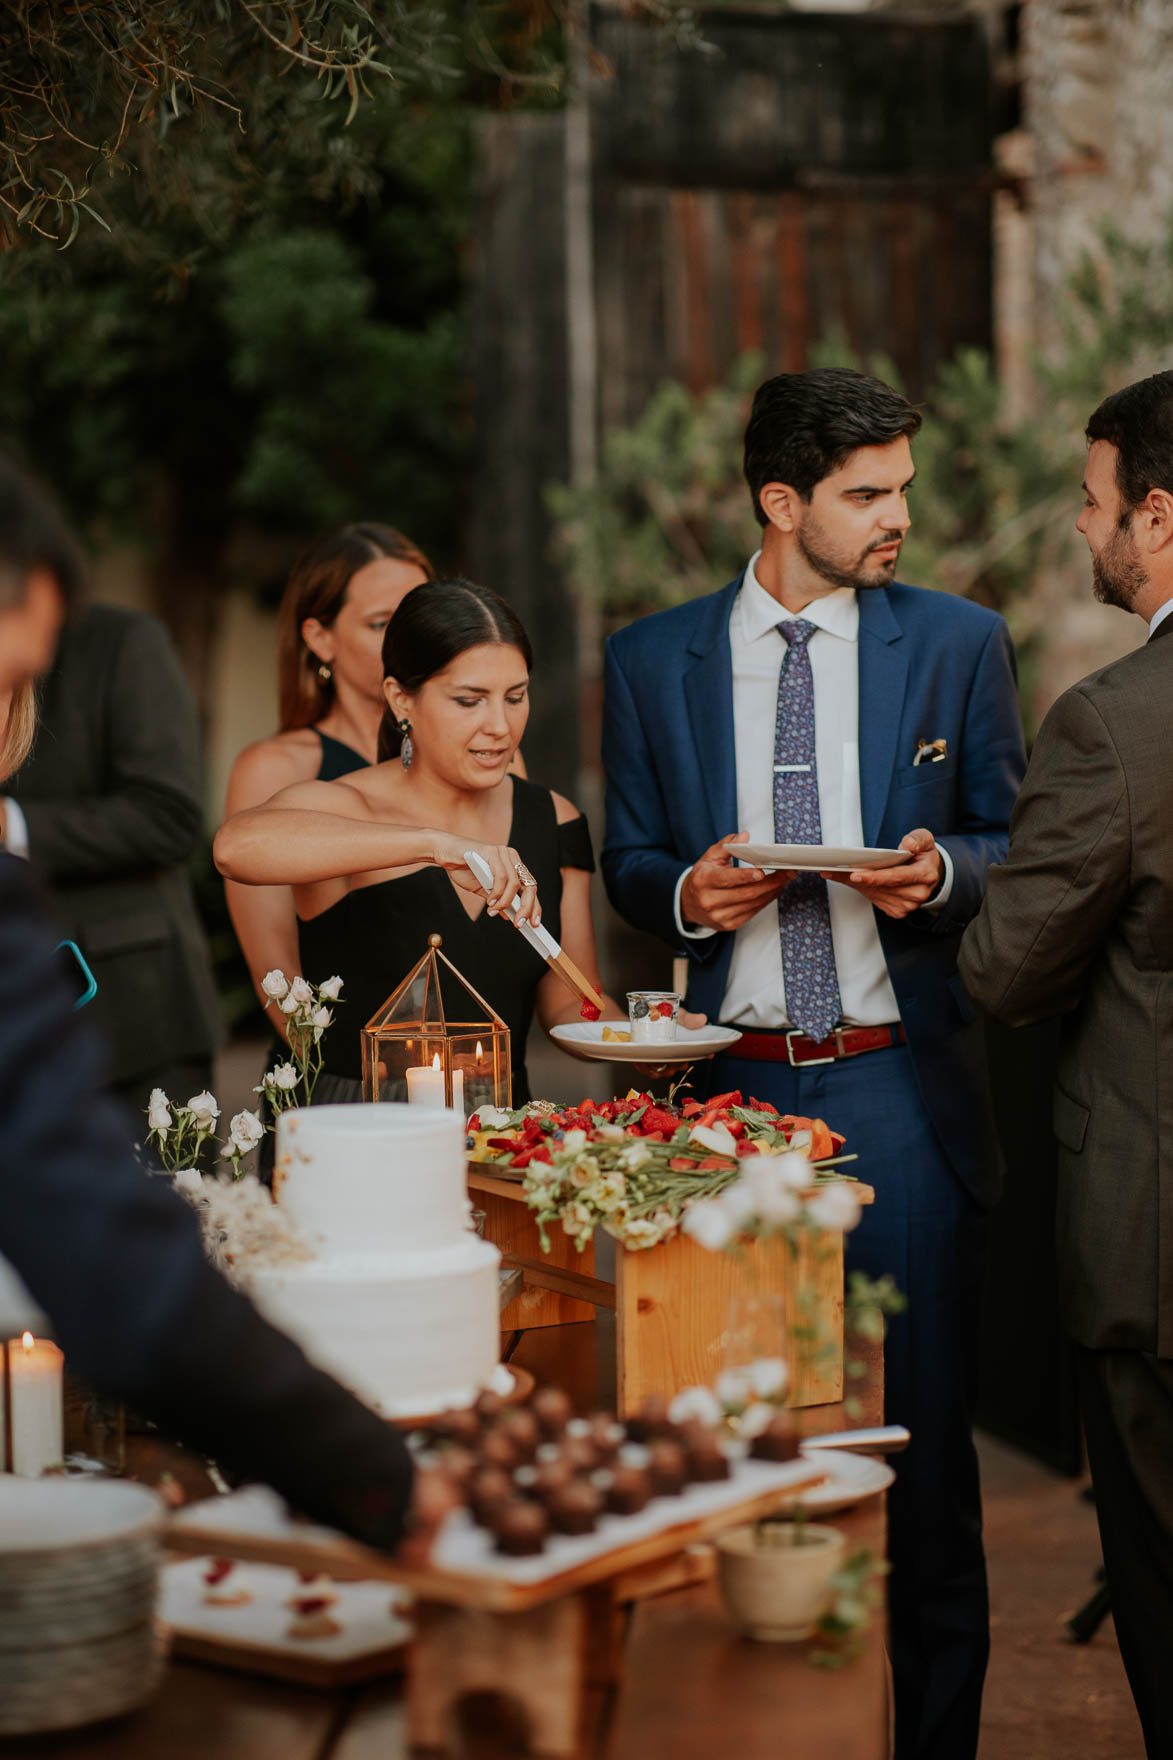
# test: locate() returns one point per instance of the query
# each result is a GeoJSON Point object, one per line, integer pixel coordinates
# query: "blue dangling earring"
{"type": "Point", "coordinates": [406, 750]}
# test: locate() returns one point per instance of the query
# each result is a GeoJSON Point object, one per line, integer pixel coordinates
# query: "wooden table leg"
{"type": "Point", "coordinates": [536, 1660]}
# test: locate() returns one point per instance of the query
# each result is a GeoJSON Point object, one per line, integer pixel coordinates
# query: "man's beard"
{"type": "Point", "coordinates": [835, 568]}
{"type": "Point", "coordinates": [1117, 572]}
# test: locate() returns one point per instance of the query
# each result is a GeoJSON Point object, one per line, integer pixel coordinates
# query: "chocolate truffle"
{"type": "Point", "coordinates": [489, 1406]}
{"type": "Point", "coordinates": [651, 1420]}
{"type": "Point", "coordinates": [456, 1425]}
{"type": "Point", "coordinates": [778, 1441]}
{"type": "Point", "coordinates": [459, 1464]}
{"type": "Point", "coordinates": [606, 1435]}
{"type": "Point", "coordinates": [628, 1491]}
{"type": "Point", "coordinates": [666, 1468]}
{"type": "Point", "coordinates": [520, 1528]}
{"type": "Point", "coordinates": [580, 1454]}
{"type": "Point", "coordinates": [575, 1509]}
{"type": "Point", "coordinates": [488, 1490]}
{"type": "Point", "coordinates": [552, 1409]}
{"type": "Point", "coordinates": [550, 1478]}
{"type": "Point", "coordinates": [498, 1451]}
{"type": "Point", "coordinates": [522, 1430]}
{"type": "Point", "coordinates": [707, 1460]}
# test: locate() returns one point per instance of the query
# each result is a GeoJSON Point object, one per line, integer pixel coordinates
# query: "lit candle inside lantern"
{"type": "Point", "coordinates": [36, 1404]}
{"type": "Point", "coordinates": [425, 1087]}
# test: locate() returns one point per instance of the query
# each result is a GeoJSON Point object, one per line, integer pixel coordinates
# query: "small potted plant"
{"type": "Point", "coordinates": [776, 1577]}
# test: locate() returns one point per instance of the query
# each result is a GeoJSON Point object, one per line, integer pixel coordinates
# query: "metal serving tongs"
{"type": "Point", "coordinates": [539, 939]}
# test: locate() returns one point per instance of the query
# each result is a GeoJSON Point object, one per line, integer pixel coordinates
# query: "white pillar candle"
{"type": "Point", "coordinates": [425, 1087]}
{"type": "Point", "coordinates": [36, 1404]}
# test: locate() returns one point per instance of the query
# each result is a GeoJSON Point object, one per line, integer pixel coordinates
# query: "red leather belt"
{"type": "Point", "coordinates": [795, 1048]}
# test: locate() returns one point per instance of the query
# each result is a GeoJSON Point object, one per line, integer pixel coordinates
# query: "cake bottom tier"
{"type": "Point", "coordinates": [409, 1333]}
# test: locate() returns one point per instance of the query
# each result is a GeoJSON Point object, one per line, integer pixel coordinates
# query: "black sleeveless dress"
{"type": "Point", "coordinates": [374, 935]}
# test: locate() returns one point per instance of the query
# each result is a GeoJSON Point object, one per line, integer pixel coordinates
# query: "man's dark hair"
{"type": "Point", "coordinates": [33, 534]}
{"type": "Point", "coordinates": [1138, 421]}
{"type": "Point", "coordinates": [803, 426]}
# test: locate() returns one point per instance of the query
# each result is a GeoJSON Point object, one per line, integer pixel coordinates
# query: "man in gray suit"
{"type": "Point", "coordinates": [1079, 923]}
{"type": "Point", "coordinates": [108, 811]}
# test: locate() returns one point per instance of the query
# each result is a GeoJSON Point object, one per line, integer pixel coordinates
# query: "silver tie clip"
{"type": "Point", "coordinates": [790, 769]}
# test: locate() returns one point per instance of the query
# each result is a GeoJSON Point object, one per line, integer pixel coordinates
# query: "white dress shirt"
{"type": "Point", "coordinates": [1160, 615]}
{"type": "Point", "coordinates": [755, 994]}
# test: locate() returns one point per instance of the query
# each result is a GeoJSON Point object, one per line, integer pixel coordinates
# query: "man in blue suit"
{"type": "Point", "coordinates": [818, 700]}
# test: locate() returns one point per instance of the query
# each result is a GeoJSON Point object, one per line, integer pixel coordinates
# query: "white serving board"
{"type": "Point", "coordinates": [254, 1637]}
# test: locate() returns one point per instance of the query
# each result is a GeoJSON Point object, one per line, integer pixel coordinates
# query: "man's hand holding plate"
{"type": "Point", "coordinates": [718, 895]}
{"type": "Point", "coordinates": [900, 891]}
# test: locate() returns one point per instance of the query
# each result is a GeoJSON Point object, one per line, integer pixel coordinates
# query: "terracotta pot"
{"type": "Point", "coordinates": [775, 1579]}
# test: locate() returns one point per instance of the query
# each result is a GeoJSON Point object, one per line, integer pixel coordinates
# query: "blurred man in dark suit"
{"type": "Point", "coordinates": [1079, 923]}
{"type": "Point", "coordinates": [112, 1255]}
{"type": "Point", "coordinates": [108, 811]}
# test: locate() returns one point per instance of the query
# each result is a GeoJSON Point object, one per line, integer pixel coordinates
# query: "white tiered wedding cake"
{"type": "Point", "coordinates": [399, 1301]}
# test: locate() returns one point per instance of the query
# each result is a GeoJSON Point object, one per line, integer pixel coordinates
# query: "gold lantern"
{"type": "Point", "coordinates": [436, 1042]}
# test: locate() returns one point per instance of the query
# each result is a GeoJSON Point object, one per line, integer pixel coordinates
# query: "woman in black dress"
{"type": "Point", "coordinates": [376, 860]}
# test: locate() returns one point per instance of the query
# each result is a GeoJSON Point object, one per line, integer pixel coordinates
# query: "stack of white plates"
{"type": "Point", "coordinates": [79, 1563]}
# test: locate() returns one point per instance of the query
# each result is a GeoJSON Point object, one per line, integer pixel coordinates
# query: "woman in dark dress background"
{"type": "Point", "coordinates": [376, 860]}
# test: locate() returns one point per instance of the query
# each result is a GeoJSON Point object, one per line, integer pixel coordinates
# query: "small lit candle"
{"type": "Point", "coordinates": [425, 1087]}
{"type": "Point", "coordinates": [36, 1404]}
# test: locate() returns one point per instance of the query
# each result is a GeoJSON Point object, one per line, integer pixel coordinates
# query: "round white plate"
{"type": "Point", "coordinates": [819, 858]}
{"type": "Point", "coordinates": [850, 1478]}
{"type": "Point", "coordinates": [586, 1037]}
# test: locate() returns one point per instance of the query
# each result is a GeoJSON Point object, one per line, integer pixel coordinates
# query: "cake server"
{"type": "Point", "coordinates": [539, 939]}
{"type": "Point", "coordinates": [882, 1439]}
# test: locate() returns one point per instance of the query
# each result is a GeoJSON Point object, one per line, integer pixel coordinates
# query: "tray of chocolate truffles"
{"type": "Point", "coordinates": [546, 1495]}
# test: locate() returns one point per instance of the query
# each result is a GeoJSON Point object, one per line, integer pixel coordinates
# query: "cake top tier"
{"type": "Point", "coordinates": [357, 1179]}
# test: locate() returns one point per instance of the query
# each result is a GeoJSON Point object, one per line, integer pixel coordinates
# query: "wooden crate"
{"type": "Point", "coordinates": [671, 1302]}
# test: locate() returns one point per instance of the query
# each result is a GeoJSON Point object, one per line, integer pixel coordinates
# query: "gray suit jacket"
{"type": "Point", "coordinates": [112, 794]}
{"type": "Point", "coordinates": [1079, 922]}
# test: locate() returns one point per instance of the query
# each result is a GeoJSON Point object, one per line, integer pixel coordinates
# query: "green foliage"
{"type": "Point", "coordinates": [995, 497]}
{"type": "Point", "coordinates": [855, 1596]}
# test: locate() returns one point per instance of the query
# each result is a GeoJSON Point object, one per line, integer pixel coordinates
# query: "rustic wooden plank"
{"type": "Point", "coordinates": [542, 1275]}
{"type": "Point", "coordinates": [510, 1226]}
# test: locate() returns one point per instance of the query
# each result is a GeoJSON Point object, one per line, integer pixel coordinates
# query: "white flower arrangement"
{"type": "Point", "coordinates": [179, 1133]}
{"type": "Point", "coordinates": [240, 1224]}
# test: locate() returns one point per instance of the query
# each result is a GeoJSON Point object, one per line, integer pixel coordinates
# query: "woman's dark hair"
{"type": "Point", "coordinates": [803, 426]}
{"type": "Point", "coordinates": [1138, 422]}
{"type": "Point", "coordinates": [317, 587]}
{"type": "Point", "coordinates": [435, 624]}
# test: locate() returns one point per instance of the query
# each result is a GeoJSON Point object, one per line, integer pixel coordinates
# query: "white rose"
{"type": "Point", "coordinates": [639, 1233]}
{"type": "Point", "coordinates": [245, 1132]}
{"type": "Point", "coordinates": [698, 1403]}
{"type": "Point", "coordinates": [301, 991]}
{"type": "Point", "coordinates": [769, 1377]}
{"type": "Point", "coordinates": [159, 1111]}
{"type": "Point", "coordinates": [275, 984]}
{"type": "Point", "coordinates": [634, 1157]}
{"type": "Point", "coordinates": [573, 1143]}
{"type": "Point", "coordinates": [738, 1203]}
{"type": "Point", "coordinates": [320, 1019]}
{"type": "Point", "coordinates": [709, 1224]}
{"type": "Point", "coordinates": [754, 1420]}
{"type": "Point", "coordinates": [284, 1076]}
{"type": "Point", "coordinates": [794, 1170]}
{"type": "Point", "coordinates": [289, 1005]}
{"type": "Point", "coordinates": [835, 1207]}
{"type": "Point", "coordinates": [187, 1179]}
{"type": "Point", "coordinates": [734, 1389]}
{"type": "Point", "coordinates": [331, 989]}
{"type": "Point", "coordinates": [774, 1203]}
{"type": "Point", "coordinates": [204, 1109]}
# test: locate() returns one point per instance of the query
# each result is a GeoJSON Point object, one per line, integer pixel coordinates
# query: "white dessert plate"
{"type": "Point", "coordinates": [850, 1479]}
{"type": "Point", "coordinates": [820, 858]}
{"type": "Point", "coordinates": [586, 1037]}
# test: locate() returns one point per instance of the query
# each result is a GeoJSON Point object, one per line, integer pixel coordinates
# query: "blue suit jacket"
{"type": "Point", "coordinates": [931, 666]}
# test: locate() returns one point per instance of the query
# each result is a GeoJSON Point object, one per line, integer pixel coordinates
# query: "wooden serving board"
{"type": "Point", "coordinates": [251, 1639]}
{"type": "Point", "coordinates": [254, 1525]}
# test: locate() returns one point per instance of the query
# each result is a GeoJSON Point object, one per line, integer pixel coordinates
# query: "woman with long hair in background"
{"type": "Point", "coordinates": [376, 860]}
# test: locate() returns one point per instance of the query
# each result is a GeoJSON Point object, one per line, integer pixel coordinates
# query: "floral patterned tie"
{"type": "Point", "coordinates": [804, 911]}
